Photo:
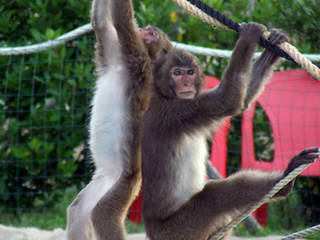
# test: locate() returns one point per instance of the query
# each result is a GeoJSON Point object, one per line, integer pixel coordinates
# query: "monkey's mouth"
{"type": "Point", "coordinates": [187, 94]}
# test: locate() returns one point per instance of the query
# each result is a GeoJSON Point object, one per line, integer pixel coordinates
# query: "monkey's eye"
{"type": "Point", "coordinates": [190, 72]}
{"type": "Point", "coordinates": [177, 72]}
{"type": "Point", "coordinates": [163, 52]}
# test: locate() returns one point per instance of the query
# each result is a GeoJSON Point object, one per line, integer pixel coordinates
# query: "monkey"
{"type": "Point", "coordinates": [123, 62]}
{"type": "Point", "coordinates": [177, 202]}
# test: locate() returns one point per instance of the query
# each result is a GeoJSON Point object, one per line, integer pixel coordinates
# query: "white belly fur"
{"type": "Point", "coordinates": [109, 121]}
{"type": "Point", "coordinates": [191, 168]}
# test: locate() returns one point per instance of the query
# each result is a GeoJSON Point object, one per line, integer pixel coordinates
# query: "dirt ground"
{"type": "Point", "coordinates": [12, 233]}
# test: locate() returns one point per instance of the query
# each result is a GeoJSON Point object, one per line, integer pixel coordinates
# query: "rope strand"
{"type": "Point", "coordinates": [303, 233]}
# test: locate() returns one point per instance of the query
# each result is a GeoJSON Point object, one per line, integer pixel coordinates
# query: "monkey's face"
{"type": "Point", "coordinates": [156, 42]}
{"type": "Point", "coordinates": [149, 34]}
{"type": "Point", "coordinates": [178, 74]}
{"type": "Point", "coordinates": [184, 79]}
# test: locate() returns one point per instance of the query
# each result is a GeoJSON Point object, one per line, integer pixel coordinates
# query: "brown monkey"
{"type": "Point", "coordinates": [123, 66]}
{"type": "Point", "coordinates": [177, 203]}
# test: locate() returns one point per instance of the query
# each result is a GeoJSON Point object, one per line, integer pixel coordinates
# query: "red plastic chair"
{"type": "Point", "coordinates": [292, 103]}
{"type": "Point", "coordinates": [219, 152]}
{"type": "Point", "coordinates": [218, 156]}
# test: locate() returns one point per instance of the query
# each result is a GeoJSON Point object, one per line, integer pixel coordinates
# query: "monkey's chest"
{"type": "Point", "coordinates": [191, 172]}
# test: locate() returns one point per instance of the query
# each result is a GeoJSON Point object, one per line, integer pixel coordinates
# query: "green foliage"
{"type": "Point", "coordinates": [23, 21]}
{"type": "Point", "coordinates": [45, 101]}
{"type": "Point", "coordinates": [45, 110]}
{"type": "Point", "coordinates": [45, 97]}
{"type": "Point", "coordinates": [263, 139]}
{"type": "Point", "coordinates": [286, 212]}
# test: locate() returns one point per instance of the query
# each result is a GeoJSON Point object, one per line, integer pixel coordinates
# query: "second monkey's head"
{"type": "Point", "coordinates": [178, 74]}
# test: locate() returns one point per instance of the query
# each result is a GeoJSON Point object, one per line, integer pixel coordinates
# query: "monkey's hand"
{"type": "Point", "coordinates": [278, 36]}
{"type": "Point", "coordinates": [308, 155]}
{"type": "Point", "coordinates": [251, 31]}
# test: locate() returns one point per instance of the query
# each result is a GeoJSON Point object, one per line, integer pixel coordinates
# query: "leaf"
{"type": "Point", "coordinates": [67, 167]}
{"type": "Point", "coordinates": [35, 145]}
{"type": "Point", "coordinates": [20, 152]}
{"type": "Point", "coordinates": [36, 35]}
{"type": "Point", "coordinates": [50, 34]}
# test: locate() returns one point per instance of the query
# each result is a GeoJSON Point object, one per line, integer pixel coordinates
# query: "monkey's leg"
{"type": "Point", "coordinates": [214, 207]}
{"type": "Point", "coordinates": [79, 211]}
{"type": "Point", "coordinates": [109, 215]}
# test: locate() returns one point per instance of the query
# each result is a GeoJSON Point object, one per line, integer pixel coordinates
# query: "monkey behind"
{"type": "Point", "coordinates": [122, 92]}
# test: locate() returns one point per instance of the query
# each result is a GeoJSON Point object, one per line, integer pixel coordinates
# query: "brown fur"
{"type": "Point", "coordinates": [117, 35]}
{"type": "Point", "coordinates": [171, 120]}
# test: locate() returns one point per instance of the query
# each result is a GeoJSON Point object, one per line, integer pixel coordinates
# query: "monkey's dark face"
{"type": "Point", "coordinates": [184, 79]}
{"type": "Point", "coordinates": [178, 75]}
{"type": "Point", "coordinates": [157, 42]}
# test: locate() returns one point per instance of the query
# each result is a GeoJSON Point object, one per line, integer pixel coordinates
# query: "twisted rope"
{"type": "Point", "coordinates": [46, 45]}
{"type": "Point", "coordinates": [215, 18]}
{"type": "Point", "coordinates": [283, 182]}
{"type": "Point", "coordinates": [303, 233]}
{"type": "Point", "coordinates": [7, 51]}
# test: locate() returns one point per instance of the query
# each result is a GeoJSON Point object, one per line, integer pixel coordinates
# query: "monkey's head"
{"type": "Point", "coordinates": [157, 42]}
{"type": "Point", "coordinates": [178, 74]}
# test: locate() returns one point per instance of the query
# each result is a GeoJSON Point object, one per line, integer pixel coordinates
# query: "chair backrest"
{"type": "Point", "coordinates": [292, 103]}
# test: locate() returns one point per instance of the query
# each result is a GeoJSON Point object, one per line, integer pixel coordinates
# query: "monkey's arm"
{"type": "Point", "coordinates": [135, 55]}
{"type": "Point", "coordinates": [228, 98]}
{"type": "Point", "coordinates": [123, 18]}
{"type": "Point", "coordinates": [107, 46]}
{"type": "Point", "coordinates": [263, 68]}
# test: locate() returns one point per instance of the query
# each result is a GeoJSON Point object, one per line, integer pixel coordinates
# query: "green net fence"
{"type": "Point", "coordinates": [44, 99]}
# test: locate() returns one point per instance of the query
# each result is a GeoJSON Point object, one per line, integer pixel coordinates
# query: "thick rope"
{"type": "Point", "coordinates": [200, 14]}
{"type": "Point", "coordinates": [47, 45]}
{"type": "Point", "coordinates": [207, 14]}
{"type": "Point", "coordinates": [225, 53]}
{"type": "Point", "coordinates": [283, 182]}
{"type": "Point", "coordinates": [303, 233]}
{"type": "Point", "coordinates": [7, 51]}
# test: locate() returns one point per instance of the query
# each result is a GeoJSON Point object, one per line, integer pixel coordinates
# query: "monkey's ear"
{"type": "Point", "coordinates": [200, 83]}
